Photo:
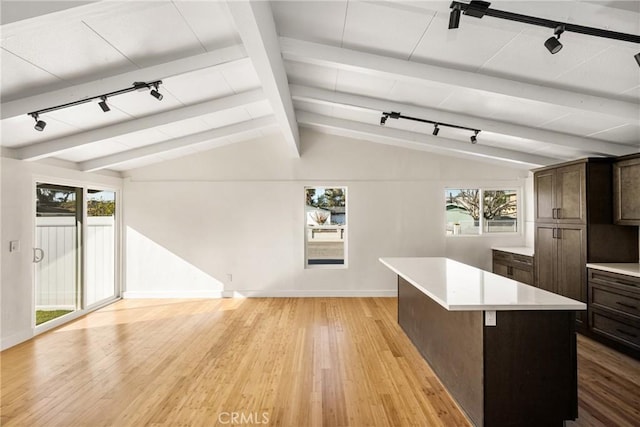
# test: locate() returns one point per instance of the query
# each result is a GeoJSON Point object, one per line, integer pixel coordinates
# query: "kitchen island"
{"type": "Point", "coordinates": [505, 351]}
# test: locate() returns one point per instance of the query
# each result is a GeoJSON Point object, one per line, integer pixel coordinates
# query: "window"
{"type": "Point", "coordinates": [325, 226]}
{"type": "Point", "coordinates": [463, 208]}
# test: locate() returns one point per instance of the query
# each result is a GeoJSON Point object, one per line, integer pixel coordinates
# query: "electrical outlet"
{"type": "Point", "coordinates": [229, 277]}
{"type": "Point", "coordinates": [14, 246]}
{"type": "Point", "coordinates": [490, 318]}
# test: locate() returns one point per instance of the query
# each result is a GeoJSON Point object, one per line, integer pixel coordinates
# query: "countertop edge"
{"type": "Point", "coordinates": [520, 250]}
{"type": "Point", "coordinates": [616, 268]}
{"type": "Point", "coordinates": [575, 306]}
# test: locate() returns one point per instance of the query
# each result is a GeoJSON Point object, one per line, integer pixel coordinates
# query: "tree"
{"type": "Point", "coordinates": [470, 201]}
{"type": "Point", "coordinates": [498, 204]}
{"type": "Point", "coordinates": [311, 194]}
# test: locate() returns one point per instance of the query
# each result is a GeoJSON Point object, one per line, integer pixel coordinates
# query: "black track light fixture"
{"type": "Point", "coordinates": [40, 124]}
{"type": "Point", "coordinates": [553, 44]}
{"type": "Point", "coordinates": [454, 17]}
{"type": "Point", "coordinates": [103, 104]}
{"type": "Point", "coordinates": [474, 137]}
{"type": "Point", "coordinates": [480, 9]}
{"type": "Point", "coordinates": [155, 93]}
{"type": "Point", "coordinates": [637, 56]}
{"type": "Point", "coordinates": [436, 125]}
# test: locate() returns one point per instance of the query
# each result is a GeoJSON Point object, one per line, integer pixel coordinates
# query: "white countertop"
{"type": "Point", "coordinates": [628, 268]}
{"type": "Point", "coordinates": [461, 287]}
{"type": "Point", "coordinates": [520, 250]}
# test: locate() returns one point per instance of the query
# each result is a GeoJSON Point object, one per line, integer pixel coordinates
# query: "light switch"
{"type": "Point", "coordinates": [14, 246]}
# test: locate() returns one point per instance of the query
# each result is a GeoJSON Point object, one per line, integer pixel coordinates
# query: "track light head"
{"type": "Point", "coordinates": [383, 120]}
{"type": "Point", "coordinates": [637, 56]}
{"type": "Point", "coordinates": [40, 124]}
{"type": "Point", "coordinates": [454, 16]}
{"type": "Point", "coordinates": [103, 104]}
{"type": "Point", "coordinates": [474, 137]}
{"type": "Point", "coordinates": [436, 130]}
{"type": "Point", "coordinates": [155, 93]}
{"type": "Point", "coordinates": [553, 44]}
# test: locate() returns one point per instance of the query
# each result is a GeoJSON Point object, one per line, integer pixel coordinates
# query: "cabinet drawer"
{"type": "Point", "coordinates": [621, 280]}
{"type": "Point", "coordinates": [502, 256]}
{"type": "Point", "coordinates": [523, 261]}
{"type": "Point", "coordinates": [612, 298]}
{"type": "Point", "coordinates": [618, 328]}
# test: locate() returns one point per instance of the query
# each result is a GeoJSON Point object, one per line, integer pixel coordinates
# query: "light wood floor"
{"type": "Point", "coordinates": [291, 362]}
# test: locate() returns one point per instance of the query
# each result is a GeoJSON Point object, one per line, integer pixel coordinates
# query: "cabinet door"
{"type": "Point", "coordinates": [571, 270]}
{"type": "Point", "coordinates": [571, 191]}
{"type": "Point", "coordinates": [545, 249]}
{"type": "Point", "coordinates": [524, 276]}
{"type": "Point", "coordinates": [626, 192]}
{"type": "Point", "coordinates": [501, 269]}
{"type": "Point", "coordinates": [544, 190]}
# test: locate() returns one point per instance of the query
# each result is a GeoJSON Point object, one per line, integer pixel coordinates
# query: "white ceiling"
{"type": "Point", "coordinates": [236, 71]}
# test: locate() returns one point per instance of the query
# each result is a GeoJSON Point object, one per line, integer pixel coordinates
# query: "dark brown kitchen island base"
{"type": "Point", "coordinates": [521, 372]}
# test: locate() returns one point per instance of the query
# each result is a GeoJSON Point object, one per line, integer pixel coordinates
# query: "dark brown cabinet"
{"type": "Point", "coordinates": [626, 190]}
{"type": "Point", "coordinates": [561, 259]}
{"type": "Point", "coordinates": [574, 225]}
{"type": "Point", "coordinates": [614, 308]}
{"type": "Point", "coordinates": [514, 266]}
{"type": "Point", "coordinates": [560, 194]}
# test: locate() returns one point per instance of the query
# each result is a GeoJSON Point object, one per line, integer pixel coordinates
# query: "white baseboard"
{"type": "Point", "coordinates": [171, 294]}
{"type": "Point", "coordinates": [260, 293]}
{"type": "Point", "coordinates": [298, 293]}
{"type": "Point", "coordinates": [15, 339]}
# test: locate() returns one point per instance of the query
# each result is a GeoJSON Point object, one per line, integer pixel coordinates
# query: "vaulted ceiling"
{"type": "Point", "coordinates": [233, 71]}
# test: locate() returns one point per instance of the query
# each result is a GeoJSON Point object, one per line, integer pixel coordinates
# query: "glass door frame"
{"type": "Point", "coordinates": [118, 248]}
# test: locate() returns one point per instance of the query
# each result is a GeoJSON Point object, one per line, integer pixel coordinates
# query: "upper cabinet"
{"type": "Point", "coordinates": [626, 190]}
{"type": "Point", "coordinates": [561, 194]}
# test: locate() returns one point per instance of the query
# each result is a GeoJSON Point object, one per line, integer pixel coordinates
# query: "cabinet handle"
{"type": "Point", "coordinates": [553, 213]}
{"type": "Point", "coordinates": [633, 307]}
{"type": "Point", "coordinates": [555, 233]}
{"type": "Point", "coordinates": [558, 213]}
{"type": "Point", "coordinates": [629, 334]}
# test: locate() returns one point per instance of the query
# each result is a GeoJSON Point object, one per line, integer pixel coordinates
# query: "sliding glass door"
{"type": "Point", "coordinates": [57, 250]}
{"type": "Point", "coordinates": [100, 246]}
{"type": "Point", "coordinates": [75, 249]}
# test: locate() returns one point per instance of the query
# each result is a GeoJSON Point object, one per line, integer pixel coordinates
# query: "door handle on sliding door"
{"type": "Point", "coordinates": [38, 255]}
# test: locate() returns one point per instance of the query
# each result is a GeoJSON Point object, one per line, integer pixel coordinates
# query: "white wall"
{"type": "Point", "coordinates": [239, 210]}
{"type": "Point", "coordinates": [16, 288]}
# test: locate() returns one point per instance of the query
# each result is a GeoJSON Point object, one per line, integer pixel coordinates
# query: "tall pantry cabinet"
{"type": "Point", "coordinates": [574, 225]}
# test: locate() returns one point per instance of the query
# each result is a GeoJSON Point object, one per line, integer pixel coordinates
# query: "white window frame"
{"type": "Point", "coordinates": [345, 239]}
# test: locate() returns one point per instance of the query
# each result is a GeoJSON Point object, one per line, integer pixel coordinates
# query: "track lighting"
{"type": "Point", "coordinates": [155, 93]}
{"type": "Point", "coordinates": [103, 104]}
{"type": "Point", "coordinates": [454, 17]}
{"type": "Point", "coordinates": [479, 9]}
{"type": "Point", "coordinates": [436, 125]}
{"type": "Point", "coordinates": [40, 124]}
{"type": "Point", "coordinates": [553, 44]}
{"type": "Point", "coordinates": [474, 137]}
